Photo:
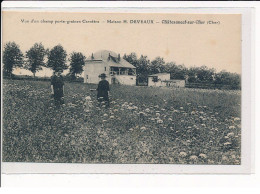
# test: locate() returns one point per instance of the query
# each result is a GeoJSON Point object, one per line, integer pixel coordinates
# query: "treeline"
{"type": "Point", "coordinates": [199, 75]}
{"type": "Point", "coordinates": [57, 59]}
{"type": "Point", "coordinates": [38, 57]}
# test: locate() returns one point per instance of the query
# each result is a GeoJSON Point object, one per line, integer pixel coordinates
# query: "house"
{"type": "Point", "coordinates": [118, 70]}
{"type": "Point", "coordinates": [164, 80]}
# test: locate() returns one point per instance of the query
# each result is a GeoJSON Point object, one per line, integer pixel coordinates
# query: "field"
{"type": "Point", "coordinates": [142, 125]}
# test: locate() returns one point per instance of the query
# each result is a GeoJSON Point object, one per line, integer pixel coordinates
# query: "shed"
{"type": "Point", "coordinates": [163, 80]}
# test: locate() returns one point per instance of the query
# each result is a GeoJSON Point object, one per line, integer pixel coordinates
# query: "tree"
{"type": "Point", "coordinates": [77, 61]}
{"type": "Point", "coordinates": [132, 59]}
{"type": "Point", "coordinates": [157, 66]}
{"type": "Point", "coordinates": [35, 58]}
{"type": "Point", "coordinates": [57, 58]}
{"type": "Point", "coordinates": [226, 78]}
{"type": "Point", "coordinates": [176, 71]}
{"type": "Point", "coordinates": [142, 66]}
{"type": "Point", "coordinates": [170, 67]}
{"type": "Point", "coordinates": [142, 69]}
{"type": "Point", "coordinates": [192, 74]}
{"type": "Point", "coordinates": [205, 74]}
{"type": "Point", "coordinates": [12, 57]}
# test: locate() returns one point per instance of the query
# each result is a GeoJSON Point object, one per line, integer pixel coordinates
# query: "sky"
{"type": "Point", "coordinates": [214, 45]}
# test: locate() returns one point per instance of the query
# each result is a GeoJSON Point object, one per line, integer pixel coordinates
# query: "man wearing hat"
{"type": "Point", "coordinates": [57, 87]}
{"type": "Point", "coordinates": [103, 90]}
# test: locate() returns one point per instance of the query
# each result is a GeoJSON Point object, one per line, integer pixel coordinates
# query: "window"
{"type": "Point", "coordinates": [86, 76]}
{"type": "Point", "coordinates": [105, 68]}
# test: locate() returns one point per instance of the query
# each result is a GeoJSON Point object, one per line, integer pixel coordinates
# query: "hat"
{"type": "Point", "coordinates": [102, 75]}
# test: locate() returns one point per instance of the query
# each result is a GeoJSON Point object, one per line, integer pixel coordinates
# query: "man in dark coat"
{"type": "Point", "coordinates": [103, 90]}
{"type": "Point", "coordinates": [57, 88]}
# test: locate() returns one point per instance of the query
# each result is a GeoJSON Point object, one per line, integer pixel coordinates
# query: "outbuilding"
{"type": "Point", "coordinates": [164, 80]}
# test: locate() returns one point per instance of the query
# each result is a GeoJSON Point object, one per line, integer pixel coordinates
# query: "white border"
{"type": "Point", "coordinates": [137, 4]}
{"type": "Point", "coordinates": [247, 92]}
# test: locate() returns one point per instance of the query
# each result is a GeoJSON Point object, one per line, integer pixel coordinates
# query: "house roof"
{"type": "Point", "coordinates": [103, 55]}
{"type": "Point", "coordinates": [158, 74]}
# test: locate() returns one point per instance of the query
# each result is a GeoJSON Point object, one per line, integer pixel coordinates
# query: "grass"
{"type": "Point", "coordinates": [143, 125]}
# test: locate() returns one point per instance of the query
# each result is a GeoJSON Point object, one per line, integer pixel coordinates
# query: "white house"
{"type": "Point", "coordinates": [164, 80]}
{"type": "Point", "coordinates": [115, 67]}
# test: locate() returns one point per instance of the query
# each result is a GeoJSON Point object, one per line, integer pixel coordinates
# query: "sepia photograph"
{"type": "Point", "coordinates": [121, 88]}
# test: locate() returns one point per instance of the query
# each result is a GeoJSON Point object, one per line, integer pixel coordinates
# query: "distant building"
{"type": "Point", "coordinates": [164, 80]}
{"type": "Point", "coordinates": [118, 70]}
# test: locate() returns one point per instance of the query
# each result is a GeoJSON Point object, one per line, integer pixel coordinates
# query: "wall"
{"type": "Point", "coordinates": [155, 84]}
{"type": "Point", "coordinates": [172, 83]}
{"type": "Point", "coordinates": [93, 69]}
{"type": "Point", "coordinates": [164, 77]}
{"type": "Point", "coordinates": [126, 79]}
{"type": "Point", "coordinates": [160, 82]}
{"type": "Point", "coordinates": [176, 83]}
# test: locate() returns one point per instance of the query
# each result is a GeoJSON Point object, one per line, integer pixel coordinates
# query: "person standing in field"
{"type": "Point", "coordinates": [57, 88]}
{"type": "Point", "coordinates": [103, 90]}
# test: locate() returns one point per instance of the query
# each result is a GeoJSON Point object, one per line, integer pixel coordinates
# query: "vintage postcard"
{"type": "Point", "coordinates": [117, 92]}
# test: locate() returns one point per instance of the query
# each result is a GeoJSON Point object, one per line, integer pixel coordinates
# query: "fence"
{"type": "Point", "coordinates": [212, 86]}
{"type": "Point", "coordinates": [203, 86]}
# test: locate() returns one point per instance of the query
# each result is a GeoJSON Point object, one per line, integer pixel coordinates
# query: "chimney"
{"type": "Point", "coordinates": [92, 56]}
{"type": "Point", "coordinates": [118, 57]}
{"type": "Point", "coordinates": [109, 56]}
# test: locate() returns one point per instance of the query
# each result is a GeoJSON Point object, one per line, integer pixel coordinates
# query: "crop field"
{"type": "Point", "coordinates": [142, 125]}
